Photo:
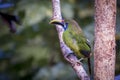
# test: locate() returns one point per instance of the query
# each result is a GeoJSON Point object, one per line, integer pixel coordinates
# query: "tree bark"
{"type": "Point", "coordinates": [104, 48]}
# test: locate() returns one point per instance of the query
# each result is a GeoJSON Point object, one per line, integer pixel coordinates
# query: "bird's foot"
{"type": "Point", "coordinates": [80, 59]}
{"type": "Point", "coordinates": [78, 62]}
{"type": "Point", "coordinates": [74, 61]}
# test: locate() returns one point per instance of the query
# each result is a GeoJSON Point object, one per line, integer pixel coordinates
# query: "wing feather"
{"type": "Point", "coordinates": [75, 39]}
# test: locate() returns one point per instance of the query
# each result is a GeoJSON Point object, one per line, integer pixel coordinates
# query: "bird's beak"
{"type": "Point", "coordinates": [57, 22]}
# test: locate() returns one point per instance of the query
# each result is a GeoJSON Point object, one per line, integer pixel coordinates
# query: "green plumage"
{"type": "Point", "coordinates": [75, 40]}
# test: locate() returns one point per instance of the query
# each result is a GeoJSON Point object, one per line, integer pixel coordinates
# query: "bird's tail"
{"type": "Point", "coordinates": [89, 65]}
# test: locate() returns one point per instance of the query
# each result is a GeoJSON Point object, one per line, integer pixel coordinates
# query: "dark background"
{"type": "Point", "coordinates": [33, 52]}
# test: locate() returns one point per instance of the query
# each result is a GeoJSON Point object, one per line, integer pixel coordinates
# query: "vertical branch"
{"type": "Point", "coordinates": [65, 50]}
{"type": "Point", "coordinates": [104, 49]}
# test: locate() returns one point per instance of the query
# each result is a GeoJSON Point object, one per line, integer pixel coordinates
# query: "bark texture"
{"type": "Point", "coordinates": [104, 48]}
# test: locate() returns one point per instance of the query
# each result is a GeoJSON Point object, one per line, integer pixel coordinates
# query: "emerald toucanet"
{"type": "Point", "coordinates": [74, 38]}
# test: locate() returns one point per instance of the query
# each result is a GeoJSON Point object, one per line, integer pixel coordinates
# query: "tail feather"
{"type": "Point", "coordinates": [89, 65]}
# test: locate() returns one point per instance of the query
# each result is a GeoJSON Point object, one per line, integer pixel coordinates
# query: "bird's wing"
{"type": "Point", "coordinates": [75, 39]}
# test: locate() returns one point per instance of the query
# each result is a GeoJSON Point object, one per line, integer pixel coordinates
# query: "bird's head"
{"type": "Point", "coordinates": [59, 22]}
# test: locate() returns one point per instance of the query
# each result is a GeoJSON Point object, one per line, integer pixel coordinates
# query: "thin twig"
{"type": "Point", "coordinates": [71, 58]}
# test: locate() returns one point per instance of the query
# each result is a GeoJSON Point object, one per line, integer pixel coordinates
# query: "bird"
{"type": "Point", "coordinates": [75, 39]}
{"type": "Point", "coordinates": [10, 20]}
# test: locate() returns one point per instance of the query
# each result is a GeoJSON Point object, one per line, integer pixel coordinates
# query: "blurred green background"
{"type": "Point", "coordinates": [33, 52]}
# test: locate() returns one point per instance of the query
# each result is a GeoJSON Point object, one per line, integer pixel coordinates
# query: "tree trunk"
{"type": "Point", "coordinates": [104, 48]}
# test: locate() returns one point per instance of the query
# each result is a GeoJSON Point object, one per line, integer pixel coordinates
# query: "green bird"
{"type": "Point", "coordinates": [75, 39]}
